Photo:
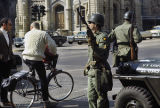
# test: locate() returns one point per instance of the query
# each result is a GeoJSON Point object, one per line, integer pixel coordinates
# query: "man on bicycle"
{"type": "Point", "coordinates": [35, 43]}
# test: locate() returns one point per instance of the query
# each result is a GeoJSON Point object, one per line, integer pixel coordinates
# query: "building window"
{"type": "Point", "coordinates": [115, 12]}
{"type": "Point", "coordinates": [82, 9]}
{"type": "Point", "coordinates": [59, 16]}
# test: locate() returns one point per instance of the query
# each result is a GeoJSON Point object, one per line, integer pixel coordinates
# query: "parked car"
{"type": "Point", "coordinates": [81, 37]}
{"type": "Point", "coordinates": [18, 42]}
{"type": "Point", "coordinates": [155, 31]}
{"type": "Point", "coordinates": [146, 34]}
{"type": "Point", "coordinates": [60, 40]}
{"type": "Point", "coordinates": [70, 39]}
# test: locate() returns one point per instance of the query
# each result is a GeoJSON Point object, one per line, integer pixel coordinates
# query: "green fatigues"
{"type": "Point", "coordinates": [121, 35]}
{"type": "Point", "coordinates": [99, 72]}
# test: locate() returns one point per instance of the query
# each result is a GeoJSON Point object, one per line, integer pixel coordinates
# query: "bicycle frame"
{"type": "Point", "coordinates": [52, 74]}
{"type": "Point", "coordinates": [32, 77]}
{"type": "Point", "coordinates": [59, 82]}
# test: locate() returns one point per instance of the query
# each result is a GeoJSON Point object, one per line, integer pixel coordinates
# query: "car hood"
{"type": "Point", "coordinates": [143, 67]}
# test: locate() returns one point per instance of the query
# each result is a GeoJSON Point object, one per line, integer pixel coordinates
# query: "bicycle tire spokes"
{"type": "Point", "coordinates": [60, 86]}
{"type": "Point", "coordinates": [22, 96]}
{"type": "Point", "coordinates": [55, 79]}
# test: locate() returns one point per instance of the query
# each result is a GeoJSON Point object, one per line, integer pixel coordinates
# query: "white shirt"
{"type": "Point", "coordinates": [5, 35]}
{"type": "Point", "coordinates": [35, 42]}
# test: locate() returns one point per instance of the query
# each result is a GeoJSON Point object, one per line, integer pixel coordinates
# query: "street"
{"type": "Point", "coordinates": [72, 58]}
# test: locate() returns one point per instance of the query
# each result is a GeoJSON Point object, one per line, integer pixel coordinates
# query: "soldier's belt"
{"type": "Point", "coordinates": [95, 64]}
{"type": "Point", "coordinates": [124, 43]}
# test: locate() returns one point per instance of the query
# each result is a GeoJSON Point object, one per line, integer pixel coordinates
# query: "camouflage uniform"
{"type": "Point", "coordinates": [99, 72]}
{"type": "Point", "coordinates": [121, 35]}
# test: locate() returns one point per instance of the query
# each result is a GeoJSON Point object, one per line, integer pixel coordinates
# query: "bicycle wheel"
{"type": "Point", "coordinates": [24, 94]}
{"type": "Point", "coordinates": [60, 86]}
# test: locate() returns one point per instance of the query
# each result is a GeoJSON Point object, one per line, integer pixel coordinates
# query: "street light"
{"type": "Point", "coordinates": [34, 12]}
{"type": "Point", "coordinates": [38, 11]}
{"type": "Point", "coordinates": [42, 10]}
{"type": "Point", "coordinates": [79, 16]}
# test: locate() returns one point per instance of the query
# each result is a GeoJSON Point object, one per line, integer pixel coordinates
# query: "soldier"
{"type": "Point", "coordinates": [97, 68]}
{"type": "Point", "coordinates": [122, 35]}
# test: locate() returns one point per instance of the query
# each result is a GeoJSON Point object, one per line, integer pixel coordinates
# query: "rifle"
{"type": "Point", "coordinates": [133, 54]}
{"type": "Point", "coordinates": [90, 34]}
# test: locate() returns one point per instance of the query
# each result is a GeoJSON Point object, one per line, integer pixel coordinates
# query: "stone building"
{"type": "Point", "coordinates": [62, 16]}
{"type": "Point", "coordinates": [8, 9]}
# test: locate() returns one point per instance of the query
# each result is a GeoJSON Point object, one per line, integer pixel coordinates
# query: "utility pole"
{"type": "Point", "coordinates": [79, 16]}
{"type": "Point", "coordinates": [38, 13]}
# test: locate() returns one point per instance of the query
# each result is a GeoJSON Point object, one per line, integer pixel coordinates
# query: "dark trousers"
{"type": "Point", "coordinates": [4, 73]}
{"type": "Point", "coordinates": [40, 69]}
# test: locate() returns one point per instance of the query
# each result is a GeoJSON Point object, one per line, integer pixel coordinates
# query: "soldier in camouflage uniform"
{"type": "Point", "coordinates": [121, 35]}
{"type": "Point", "coordinates": [97, 68]}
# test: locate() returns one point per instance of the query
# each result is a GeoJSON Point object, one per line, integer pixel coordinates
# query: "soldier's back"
{"type": "Point", "coordinates": [122, 32]}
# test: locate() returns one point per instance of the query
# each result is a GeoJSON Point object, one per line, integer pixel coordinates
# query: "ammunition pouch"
{"type": "Point", "coordinates": [104, 81]}
{"type": "Point", "coordinates": [89, 66]}
{"type": "Point", "coordinates": [118, 59]}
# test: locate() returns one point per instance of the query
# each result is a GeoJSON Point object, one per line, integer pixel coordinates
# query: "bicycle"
{"type": "Point", "coordinates": [27, 89]}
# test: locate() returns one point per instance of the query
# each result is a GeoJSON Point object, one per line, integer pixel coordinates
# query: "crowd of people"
{"type": "Point", "coordinates": [97, 68]}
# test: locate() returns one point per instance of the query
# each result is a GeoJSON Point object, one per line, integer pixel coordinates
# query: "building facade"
{"type": "Point", "coordinates": [62, 16]}
{"type": "Point", "coordinates": [8, 9]}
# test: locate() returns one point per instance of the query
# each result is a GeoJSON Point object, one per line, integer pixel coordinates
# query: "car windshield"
{"type": "Point", "coordinates": [18, 39]}
{"type": "Point", "coordinates": [81, 33]}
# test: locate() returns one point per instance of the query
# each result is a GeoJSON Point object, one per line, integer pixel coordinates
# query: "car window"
{"type": "Point", "coordinates": [18, 39]}
{"type": "Point", "coordinates": [157, 28]}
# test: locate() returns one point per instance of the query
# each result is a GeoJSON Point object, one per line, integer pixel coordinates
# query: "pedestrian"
{"type": "Point", "coordinates": [6, 56]}
{"type": "Point", "coordinates": [97, 68]}
{"type": "Point", "coordinates": [35, 42]}
{"type": "Point", "coordinates": [126, 35]}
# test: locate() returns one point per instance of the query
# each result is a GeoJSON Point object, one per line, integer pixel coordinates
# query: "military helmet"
{"type": "Point", "coordinates": [97, 19]}
{"type": "Point", "coordinates": [128, 15]}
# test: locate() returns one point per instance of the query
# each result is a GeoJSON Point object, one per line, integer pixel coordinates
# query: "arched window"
{"type": "Point", "coordinates": [115, 12]}
{"type": "Point", "coordinates": [82, 9]}
{"type": "Point", "coordinates": [59, 16]}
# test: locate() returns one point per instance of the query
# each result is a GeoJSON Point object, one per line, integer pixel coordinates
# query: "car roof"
{"type": "Point", "coordinates": [158, 26]}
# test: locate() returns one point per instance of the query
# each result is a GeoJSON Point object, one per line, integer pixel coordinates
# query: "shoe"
{"type": "Point", "coordinates": [48, 104]}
